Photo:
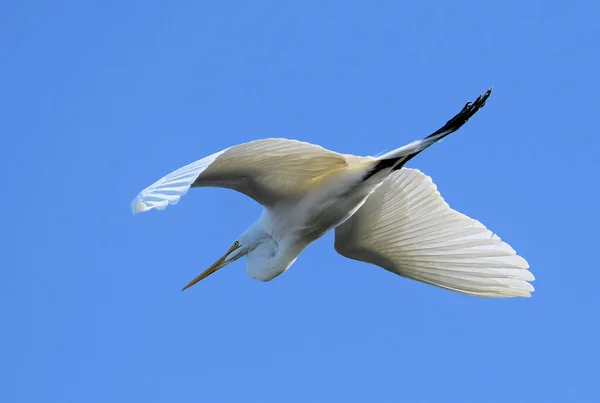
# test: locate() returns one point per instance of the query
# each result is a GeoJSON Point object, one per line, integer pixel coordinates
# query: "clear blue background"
{"type": "Point", "coordinates": [100, 99]}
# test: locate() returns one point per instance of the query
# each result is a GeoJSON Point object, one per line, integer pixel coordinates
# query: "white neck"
{"type": "Point", "coordinates": [267, 256]}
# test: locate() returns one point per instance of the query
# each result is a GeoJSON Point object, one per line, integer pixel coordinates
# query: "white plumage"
{"type": "Point", "coordinates": [406, 227]}
{"type": "Point", "coordinates": [382, 213]}
{"type": "Point", "coordinates": [269, 171]}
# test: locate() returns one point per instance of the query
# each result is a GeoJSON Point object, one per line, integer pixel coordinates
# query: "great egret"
{"type": "Point", "coordinates": [382, 213]}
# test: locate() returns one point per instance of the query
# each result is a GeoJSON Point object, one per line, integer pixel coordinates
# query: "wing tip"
{"type": "Point", "coordinates": [138, 206]}
{"type": "Point", "coordinates": [522, 289]}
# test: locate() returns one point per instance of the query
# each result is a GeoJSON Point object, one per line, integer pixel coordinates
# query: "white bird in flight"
{"type": "Point", "coordinates": [382, 213]}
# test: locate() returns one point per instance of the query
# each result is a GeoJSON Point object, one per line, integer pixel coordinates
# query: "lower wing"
{"type": "Point", "coordinates": [406, 227]}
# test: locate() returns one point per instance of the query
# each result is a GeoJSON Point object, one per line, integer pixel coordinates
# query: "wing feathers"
{"type": "Point", "coordinates": [407, 228]}
{"type": "Point", "coordinates": [170, 188]}
{"type": "Point", "coordinates": [269, 171]}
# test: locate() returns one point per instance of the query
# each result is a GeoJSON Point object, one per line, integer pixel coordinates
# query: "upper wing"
{"type": "Point", "coordinates": [269, 171]}
{"type": "Point", "coordinates": [406, 227]}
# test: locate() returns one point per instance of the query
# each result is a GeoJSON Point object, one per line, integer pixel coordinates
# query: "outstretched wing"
{"type": "Point", "coordinates": [269, 171]}
{"type": "Point", "coordinates": [406, 227]}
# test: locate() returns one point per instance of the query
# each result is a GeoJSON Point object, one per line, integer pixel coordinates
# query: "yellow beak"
{"type": "Point", "coordinates": [213, 268]}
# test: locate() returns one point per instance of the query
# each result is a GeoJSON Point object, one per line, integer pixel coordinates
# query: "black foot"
{"type": "Point", "coordinates": [463, 116]}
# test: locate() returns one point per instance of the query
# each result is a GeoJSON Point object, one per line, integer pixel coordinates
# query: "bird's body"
{"type": "Point", "coordinates": [290, 228]}
{"type": "Point", "coordinates": [382, 213]}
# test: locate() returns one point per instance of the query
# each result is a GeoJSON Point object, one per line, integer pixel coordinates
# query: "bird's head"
{"type": "Point", "coordinates": [235, 252]}
{"type": "Point", "coordinates": [245, 244]}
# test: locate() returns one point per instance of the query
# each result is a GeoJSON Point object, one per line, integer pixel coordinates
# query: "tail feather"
{"type": "Point", "coordinates": [396, 159]}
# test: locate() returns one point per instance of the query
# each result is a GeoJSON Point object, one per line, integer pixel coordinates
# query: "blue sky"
{"type": "Point", "coordinates": [99, 99]}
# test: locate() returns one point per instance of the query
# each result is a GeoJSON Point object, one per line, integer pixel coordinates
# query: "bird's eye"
{"type": "Point", "coordinates": [236, 244]}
